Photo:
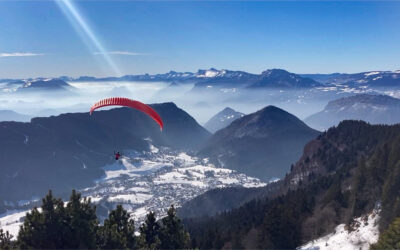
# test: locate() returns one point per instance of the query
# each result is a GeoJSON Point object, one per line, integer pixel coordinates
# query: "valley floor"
{"type": "Point", "coordinates": [150, 181]}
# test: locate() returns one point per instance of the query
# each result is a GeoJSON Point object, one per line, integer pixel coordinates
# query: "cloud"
{"type": "Point", "coordinates": [124, 53]}
{"type": "Point", "coordinates": [14, 54]}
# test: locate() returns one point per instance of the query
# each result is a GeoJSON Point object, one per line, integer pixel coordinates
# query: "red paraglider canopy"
{"type": "Point", "coordinates": [121, 101]}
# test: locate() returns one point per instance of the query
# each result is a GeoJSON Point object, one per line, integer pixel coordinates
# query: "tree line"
{"type": "Point", "coordinates": [74, 225]}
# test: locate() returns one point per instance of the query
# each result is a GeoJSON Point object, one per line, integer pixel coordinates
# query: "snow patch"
{"type": "Point", "coordinates": [372, 73]}
{"type": "Point", "coordinates": [26, 139]}
{"type": "Point", "coordinates": [12, 220]}
{"type": "Point", "coordinates": [94, 199]}
{"type": "Point", "coordinates": [364, 234]}
{"type": "Point", "coordinates": [138, 198]}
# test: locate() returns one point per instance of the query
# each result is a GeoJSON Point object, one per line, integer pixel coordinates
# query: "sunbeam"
{"type": "Point", "coordinates": [78, 21]}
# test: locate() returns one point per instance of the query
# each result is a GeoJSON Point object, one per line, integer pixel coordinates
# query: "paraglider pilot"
{"type": "Point", "coordinates": [117, 156]}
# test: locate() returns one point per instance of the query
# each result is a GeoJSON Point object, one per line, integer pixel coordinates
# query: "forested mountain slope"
{"type": "Point", "coordinates": [262, 144]}
{"type": "Point", "coordinates": [344, 173]}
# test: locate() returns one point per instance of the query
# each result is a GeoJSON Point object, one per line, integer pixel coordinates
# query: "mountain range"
{"type": "Point", "coordinates": [371, 78]}
{"type": "Point", "coordinates": [375, 109]}
{"type": "Point", "coordinates": [214, 81]}
{"type": "Point", "coordinates": [272, 78]}
{"type": "Point", "coordinates": [268, 78]}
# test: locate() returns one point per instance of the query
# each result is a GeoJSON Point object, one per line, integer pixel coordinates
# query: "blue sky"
{"type": "Point", "coordinates": [43, 38]}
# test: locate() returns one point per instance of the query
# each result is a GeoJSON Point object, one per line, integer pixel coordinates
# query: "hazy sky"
{"type": "Point", "coordinates": [53, 38]}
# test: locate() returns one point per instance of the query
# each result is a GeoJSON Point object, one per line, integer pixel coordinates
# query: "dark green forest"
{"type": "Point", "coordinates": [358, 169]}
{"type": "Point", "coordinates": [75, 226]}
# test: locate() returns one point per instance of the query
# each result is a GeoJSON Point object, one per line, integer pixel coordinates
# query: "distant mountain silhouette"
{"type": "Point", "coordinates": [375, 109]}
{"type": "Point", "coordinates": [47, 84]}
{"type": "Point", "coordinates": [371, 78]}
{"type": "Point", "coordinates": [263, 144]}
{"type": "Point", "coordinates": [9, 115]}
{"type": "Point", "coordinates": [272, 78]}
{"type": "Point", "coordinates": [222, 119]}
{"type": "Point", "coordinates": [279, 78]}
{"type": "Point", "coordinates": [206, 79]}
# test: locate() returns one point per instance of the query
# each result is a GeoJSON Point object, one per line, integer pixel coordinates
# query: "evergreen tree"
{"type": "Point", "coordinates": [208, 240]}
{"type": "Point", "coordinates": [236, 241]}
{"type": "Point", "coordinates": [149, 233]}
{"type": "Point", "coordinates": [173, 235]}
{"type": "Point", "coordinates": [390, 238]}
{"type": "Point", "coordinates": [218, 242]}
{"type": "Point", "coordinates": [118, 231]}
{"type": "Point", "coordinates": [75, 226]}
{"type": "Point", "coordinates": [82, 222]}
{"type": "Point", "coordinates": [45, 229]}
{"type": "Point", "coordinates": [58, 226]}
{"type": "Point", "coordinates": [5, 240]}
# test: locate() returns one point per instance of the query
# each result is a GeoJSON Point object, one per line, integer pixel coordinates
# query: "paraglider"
{"type": "Point", "coordinates": [121, 101]}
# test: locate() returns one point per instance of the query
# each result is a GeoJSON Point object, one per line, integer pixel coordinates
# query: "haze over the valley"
{"type": "Point", "coordinates": [201, 93]}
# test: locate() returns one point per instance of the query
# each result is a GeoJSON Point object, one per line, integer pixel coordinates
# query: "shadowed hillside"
{"type": "Point", "coordinates": [263, 144]}
{"type": "Point", "coordinates": [69, 150]}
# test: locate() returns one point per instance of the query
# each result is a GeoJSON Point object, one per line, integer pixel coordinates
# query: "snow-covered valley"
{"type": "Point", "coordinates": [149, 181]}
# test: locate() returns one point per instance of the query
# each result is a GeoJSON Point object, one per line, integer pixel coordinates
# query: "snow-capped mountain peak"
{"type": "Point", "coordinates": [209, 73]}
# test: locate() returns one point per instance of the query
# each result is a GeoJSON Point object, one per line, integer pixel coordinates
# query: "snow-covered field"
{"type": "Point", "coordinates": [150, 181]}
{"type": "Point", "coordinates": [11, 221]}
{"type": "Point", "coordinates": [155, 180]}
{"type": "Point", "coordinates": [364, 233]}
